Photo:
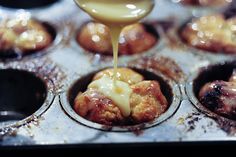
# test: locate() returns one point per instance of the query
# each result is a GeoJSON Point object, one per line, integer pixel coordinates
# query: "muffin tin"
{"type": "Point", "coordinates": [68, 68]}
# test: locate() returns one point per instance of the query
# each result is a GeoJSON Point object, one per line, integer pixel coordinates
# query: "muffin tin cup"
{"type": "Point", "coordinates": [97, 58]}
{"type": "Point", "coordinates": [174, 102]}
{"type": "Point", "coordinates": [56, 33]}
{"type": "Point", "coordinates": [193, 86]}
{"type": "Point", "coordinates": [211, 56]}
{"type": "Point", "coordinates": [20, 112]}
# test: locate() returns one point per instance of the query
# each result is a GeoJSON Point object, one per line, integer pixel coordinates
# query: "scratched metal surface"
{"type": "Point", "coordinates": [68, 62]}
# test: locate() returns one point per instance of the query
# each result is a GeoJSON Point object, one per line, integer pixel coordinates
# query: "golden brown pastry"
{"type": "Point", "coordinates": [212, 33]}
{"type": "Point", "coordinates": [205, 2]}
{"type": "Point", "coordinates": [220, 96]}
{"type": "Point", "coordinates": [22, 35]}
{"type": "Point", "coordinates": [95, 107]}
{"type": "Point", "coordinates": [134, 39]}
{"type": "Point", "coordinates": [146, 101]}
{"type": "Point", "coordinates": [123, 74]}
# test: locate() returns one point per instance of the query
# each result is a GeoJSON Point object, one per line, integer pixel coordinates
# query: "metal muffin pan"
{"type": "Point", "coordinates": [67, 63]}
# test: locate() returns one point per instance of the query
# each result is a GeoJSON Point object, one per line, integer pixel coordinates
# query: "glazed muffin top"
{"type": "Point", "coordinates": [212, 33]}
{"type": "Point", "coordinates": [134, 39]}
{"type": "Point", "coordinates": [23, 35]}
{"type": "Point", "coordinates": [132, 100]}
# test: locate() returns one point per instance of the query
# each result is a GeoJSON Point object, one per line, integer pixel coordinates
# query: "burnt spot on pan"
{"type": "Point", "coordinates": [192, 119]}
{"type": "Point", "coordinates": [162, 64]}
{"type": "Point", "coordinates": [26, 4]}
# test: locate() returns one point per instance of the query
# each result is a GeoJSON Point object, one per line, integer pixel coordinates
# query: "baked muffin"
{"type": "Point", "coordinates": [212, 33]}
{"type": "Point", "coordinates": [145, 99]}
{"type": "Point", "coordinates": [206, 2]}
{"type": "Point", "coordinates": [220, 96]}
{"type": "Point", "coordinates": [23, 36]}
{"type": "Point", "coordinates": [134, 39]}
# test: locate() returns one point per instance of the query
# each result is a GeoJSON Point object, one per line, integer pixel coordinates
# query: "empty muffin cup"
{"type": "Point", "coordinates": [212, 90]}
{"type": "Point", "coordinates": [26, 4]}
{"type": "Point", "coordinates": [22, 95]}
{"type": "Point", "coordinates": [168, 87]}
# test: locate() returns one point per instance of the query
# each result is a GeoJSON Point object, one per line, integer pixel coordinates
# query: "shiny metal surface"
{"type": "Point", "coordinates": [67, 62]}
